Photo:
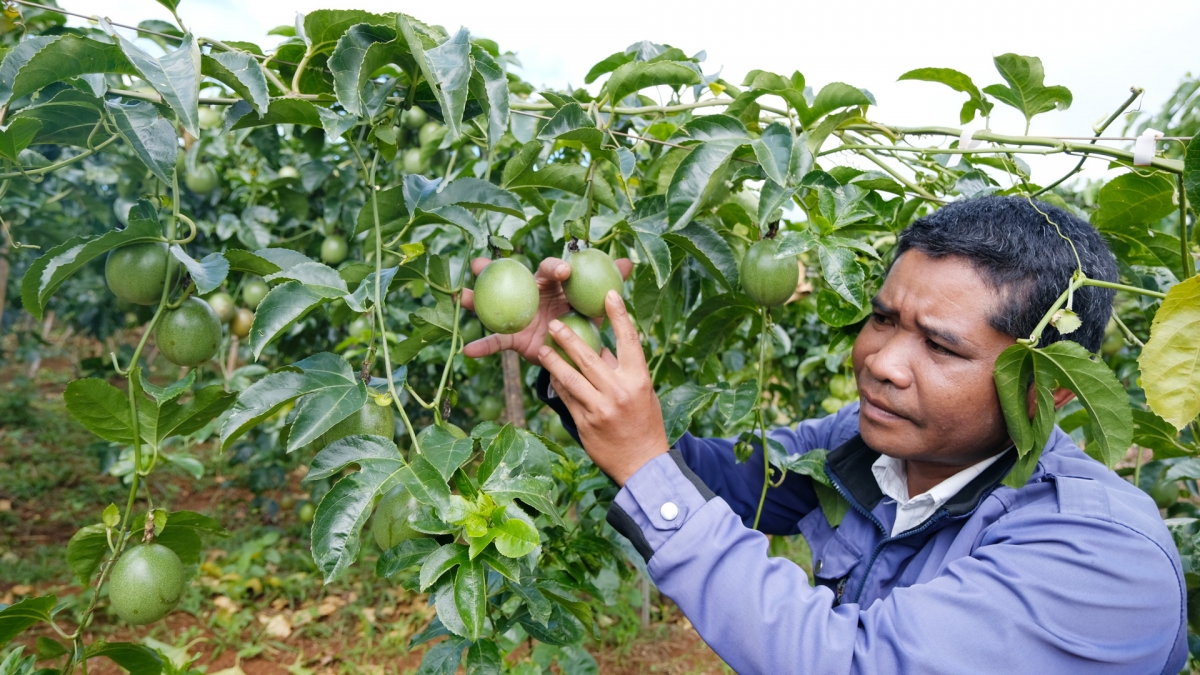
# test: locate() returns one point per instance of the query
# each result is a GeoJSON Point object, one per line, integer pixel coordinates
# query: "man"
{"type": "Point", "coordinates": [937, 567]}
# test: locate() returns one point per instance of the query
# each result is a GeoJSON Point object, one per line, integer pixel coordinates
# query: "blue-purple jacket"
{"type": "Point", "coordinates": [1073, 573]}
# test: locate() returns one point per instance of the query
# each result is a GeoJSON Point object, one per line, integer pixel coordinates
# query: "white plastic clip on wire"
{"type": "Point", "coordinates": [1145, 146]}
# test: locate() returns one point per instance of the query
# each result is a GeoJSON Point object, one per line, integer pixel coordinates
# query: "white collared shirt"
{"type": "Point", "coordinates": [893, 481]}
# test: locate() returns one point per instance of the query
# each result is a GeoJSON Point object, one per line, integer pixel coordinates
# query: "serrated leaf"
{"type": "Point", "coordinates": [1191, 172]}
{"type": "Point", "coordinates": [175, 75]}
{"type": "Point", "coordinates": [282, 111]}
{"type": "Point", "coordinates": [323, 27]}
{"type": "Point", "coordinates": [444, 657]}
{"type": "Point", "coordinates": [734, 404]}
{"type": "Point", "coordinates": [483, 658]}
{"type": "Point", "coordinates": [316, 277]}
{"type": "Point", "coordinates": [515, 538]}
{"type": "Point", "coordinates": [1026, 90]}
{"type": "Point", "coordinates": [1069, 365]}
{"type": "Point", "coordinates": [679, 404]}
{"type": "Point", "coordinates": [833, 96]}
{"type": "Point", "coordinates": [149, 134]}
{"type": "Point", "coordinates": [265, 397]}
{"type": "Point", "coordinates": [572, 123]}
{"type": "Point", "coordinates": [41, 60]}
{"type": "Point", "coordinates": [425, 483]}
{"type": "Point", "coordinates": [447, 70]}
{"type": "Point", "coordinates": [633, 77]}
{"type": "Point", "coordinates": [284, 305]}
{"type": "Point", "coordinates": [520, 162]}
{"type": "Point", "coordinates": [840, 268]}
{"type": "Point", "coordinates": [696, 177]}
{"type": "Point", "coordinates": [1134, 199]}
{"type": "Point", "coordinates": [404, 555]}
{"type": "Point", "coordinates": [320, 410]}
{"type": "Point", "coordinates": [208, 274]}
{"type": "Point", "coordinates": [566, 177]}
{"type": "Point", "coordinates": [101, 408]}
{"type": "Point", "coordinates": [489, 86]}
{"type": "Point", "coordinates": [441, 561]}
{"type": "Point", "coordinates": [48, 272]}
{"type": "Point", "coordinates": [241, 72]}
{"type": "Point", "coordinates": [1170, 361]}
{"type": "Point", "coordinates": [349, 66]}
{"type": "Point", "coordinates": [133, 658]}
{"type": "Point", "coordinates": [85, 550]}
{"type": "Point", "coordinates": [793, 243]}
{"type": "Point", "coordinates": [648, 233]}
{"type": "Point", "coordinates": [21, 615]}
{"type": "Point", "coordinates": [445, 451]}
{"type": "Point", "coordinates": [976, 103]}
{"type": "Point", "coordinates": [709, 249]}
{"type": "Point", "coordinates": [66, 119]}
{"type": "Point", "coordinates": [772, 198]}
{"type": "Point", "coordinates": [536, 491]}
{"type": "Point", "coordinates": [245, 261]}
{"type": "Point", "coordinates": [774, 151]}
{"type": "Point", "coordinates": [17, 136]}
{"type": "Point", "coordinates": [470, 596]}
{"type": "Point", "coordinates": [156, 424]}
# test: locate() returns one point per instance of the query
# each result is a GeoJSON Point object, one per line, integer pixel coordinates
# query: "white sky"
{"type": "Point", "coordinates": [1098, 49]}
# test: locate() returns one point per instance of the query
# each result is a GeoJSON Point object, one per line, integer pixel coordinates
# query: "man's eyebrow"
{"type": "Point", "coordinates": [945, 336]}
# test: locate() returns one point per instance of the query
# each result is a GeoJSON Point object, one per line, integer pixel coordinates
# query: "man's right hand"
{"type": "Point", "coordinates": [552, 303]}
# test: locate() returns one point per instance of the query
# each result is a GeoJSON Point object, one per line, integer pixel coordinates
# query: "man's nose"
{"type": "Point", "coordinates": [892, 364]}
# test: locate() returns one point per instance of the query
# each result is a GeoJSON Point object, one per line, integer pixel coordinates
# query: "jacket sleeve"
{"type": "Point", "coordinates": [740, 485]}
{"type": "Point", "coordinates": [1047, 592]}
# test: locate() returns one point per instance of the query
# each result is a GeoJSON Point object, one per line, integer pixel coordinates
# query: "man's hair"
{"type": "Point", "coordinates": [1020, 252]}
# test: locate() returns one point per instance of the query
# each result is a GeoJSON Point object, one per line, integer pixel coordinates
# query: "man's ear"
{"type": "Point", "coordinates": [1061, 398]}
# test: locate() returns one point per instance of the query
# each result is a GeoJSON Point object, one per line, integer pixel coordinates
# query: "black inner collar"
{"type": "Point", "coordinates": [851, 463]}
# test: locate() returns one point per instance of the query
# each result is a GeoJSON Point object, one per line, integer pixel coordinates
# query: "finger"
{"type": "Point", "coordinates": [569, 380]}
{"type": "Point", "coordinates": [625, 265]}
{"type": "Point", "coordinates": [629, 344]}
{"type": "Point", "coordinates": [553, 269]}
{"type": "Point", "coordinates": [468, 300]}
{"type": "Point", "coordinates": [477, 265]}
{"type": "Point", "coordinates": [488, 345]}
{"type": "Point", "coordinates": [581, 353]}
{"type": "Point", "coordinates": [608, 358]}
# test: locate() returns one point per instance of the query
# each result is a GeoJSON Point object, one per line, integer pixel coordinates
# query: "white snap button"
{"type": "Point", "coordinates": [669, 511]}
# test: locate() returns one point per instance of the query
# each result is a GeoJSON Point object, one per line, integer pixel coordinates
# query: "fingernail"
{"type": "Point", "coordinates": [556, 325]}
{"type": "Point", "coordinates": [563, 268]}
{"type": "Point", "coordinates": [612, 295]}
{"type": "Point", "coordinates": [544, 351]}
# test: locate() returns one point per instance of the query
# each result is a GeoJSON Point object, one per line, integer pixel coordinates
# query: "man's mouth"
{"type": "Point", "coordinates": [878, 411]}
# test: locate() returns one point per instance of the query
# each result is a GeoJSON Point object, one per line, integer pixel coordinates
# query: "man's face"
{"type": "Point", "coordinates": [924, 364]}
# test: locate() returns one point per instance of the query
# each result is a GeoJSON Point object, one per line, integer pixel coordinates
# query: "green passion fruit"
{"type": "Point", "coordinates": [242, 322]}
{"type": "Point", "coordinates": [222, 303]}
{"type": "Point", "coordinates": [390, 523]}
{"type": "Point", "coordinates": [288, 172]}
{"type": "Point", "coordinates": [146, 583]}
{"type": "Point", "coordinates": [491, 408]}
{"type": "Point", "coordinates": [471, 330]}
{"type": "Point", "coordinates": [431, 133]}
{"type": "Point", "coordinates": [334, 249]}
{"type": "Point", "coordinates": [137, 273]}
{"type": "Point", "coordinates": [506, 296]}
{"type": "Point", "coordinates": [584, 328]}
{"type": "Point", "coordinates": [253, 292]}
{"type": "Point", "coordinates": [201, 179]}
{"type": "Point", "coordinates": [372, 418]}
{"type": "Point", "coordinates": [593, 275]}
{"type": "Point", "coordinates": [190, 334]}
{"type": "Point", "coordinates": [306, 512]}
{"type": "Point", "coordinates": [413, 162]}
{"type": "Point", "coordinates": [415, 118]}
{"type": "Point", "coordinates": [209, 118]}
{"type": "Point", "coordinates": [768, 280]}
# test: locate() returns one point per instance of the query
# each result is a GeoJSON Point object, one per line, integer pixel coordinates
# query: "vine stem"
{"type": "Point", "coordinates": [378, 309]}
{"type": "Point", "coordinates": [1189, 267]}
{"type": "Point", "coordinates": [58, 165]}
{"type": "Point", "coordinates": [1134, 92]}
{"type": "Point", "coordinates": [759, 417]}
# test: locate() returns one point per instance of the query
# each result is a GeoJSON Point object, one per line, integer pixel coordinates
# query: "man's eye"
{"type": "Point", "coordinates": [939, 349]}
{"type": "Point", "coordinates": [880, 319]}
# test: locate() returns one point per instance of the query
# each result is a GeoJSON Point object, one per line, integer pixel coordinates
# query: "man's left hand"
{"type": "Point", "coordinates": [611, 398]}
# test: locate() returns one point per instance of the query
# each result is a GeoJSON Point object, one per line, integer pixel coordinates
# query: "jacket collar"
{"type": "Point", "coordinates": [850, 465]}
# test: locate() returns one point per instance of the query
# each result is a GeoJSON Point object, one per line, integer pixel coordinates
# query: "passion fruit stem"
{"type": "Point", "coordinates": [758, 414]}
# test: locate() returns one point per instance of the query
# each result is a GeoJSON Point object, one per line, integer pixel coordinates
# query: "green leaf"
{"type": "Point", "coordinates": [536, 491]}
{"type": "Point", "coordinates": [578, 609]}
{"type": "Point", "coordinates": [483, 658]}
{"type": "Point", "coordinates": [515, 538]}
{"type": "Point", "coordinates": [48, 272]}
{"type": "Point", "coordinates": [282, 111]}
{"type": "Point", "coordinates": [711, 128]}
{"type": "Point", "coordinates": [337, 525]}
{"type": "Point", "coordinates": [716, 321]}
{"type": "Point", "coordinates": [1152, 431]}
{"type": "Point", "coordinates": [845, 276]}
{"type": "Point", "coordinates": [774, 150]}
{"type": "Point", "coordinates": [320, 410]}
{"type": "Point", "coordinates": [1012, 374]}
{"type": "Point", "coordinates": [793, 243]}
{"type": "Point", "coordinates": [157, 423]}
{"type": "Point", "coordinates": [245, 261]}
{"type": "Point", "coordinates": [149, 134]}
{"type": "Point", "coordinates": [696, 177]}
{"type": "Point", "coordinates": [444, 657]}
{"type": "Point", "coordinates": [734, 404]}
{"type": "Point", "coordinates": [709, 249]}
{"type": "Point", "coordinates": [832, 96]}
{"type": "Point", "coordinates": [1067, 364]}
{"type": "Point", "coordinates": [633, 77]}
{"type": "Point", "coordinates": [85, 551]}
{"type": "Point", "coordinates": [265, 397]}
{"type": "Point", "coordinates": [648, 233]}
{"type": "Point", "coordinates": [208, 274]}
{"type": "Point", "coordinates": [445, 451]}
{"type": "Point", "coordinates": [571, 123]}
{"type": "Point", "coordinates": [470, 596]}
{"type": "Point", "coordinates": [134, 658]}
{"type": "Point", "coordinates": [42, 60]}
{"type": "Point", "coordinates": [175, 75]}
{"type": "Point", "coordinates": [316, 277]}
{"type": "Point", "coordinates": [566, 177]}
{"type": "Point", "coordinates": [1135, 200]}
{"type": "Point", "coordinates": [425, 483]}
{"type": "Point", "coordinates": [772, 198]}
{"type": "Point", "coordinates": [1170, 361]}
{"type": "Point", "coordinates": [169, 4]}
{"type": "Point", "coordinates": [833, 504]}
{"type": "Point", "coordinates": [241, 72]}
{"type": "Point", "coordinates": [286, 304]}
{"type": "Point", "coordinates": [404, 555]}
{"type": "Point", "coordinates": [66, 119]}
{"type": "Point", "coordinates": [976, 103]}
{"type": "Point", "coordinates": [17, 617]}
{"type": "Point", "coordinates": [49, 648]}
{"type": "Point", "coordinates": [17, 136]}
{"type": "Point", "coordinates": [447, 70]}
{"type": "Point", "coordinates": [607, 65]}
{"type": "Point", "coordinates": [489, 86]}
{"type": "Point", "coordinates": [520, 162]}
{"type": "Point", "coordinates": [441, 561]}
{"type": "Point", "coordinates": [473, 193]}
{"type": "Point", "coordinates": [101, 408]}
{"type": "Point", "coordinates": [1026, 90]}
{"type": "Point", "coordinates": [537, 603]}
{"type": "Point", "coordinates": [1191, 172]}
{"type": "Point", "coordinates": [351, 71]}
{"type": "Point", "coordinates": [679, 404]}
